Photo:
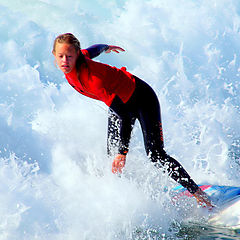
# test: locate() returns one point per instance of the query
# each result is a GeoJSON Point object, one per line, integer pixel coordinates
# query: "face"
{"type": "Point", "coordinates": [66, 56]}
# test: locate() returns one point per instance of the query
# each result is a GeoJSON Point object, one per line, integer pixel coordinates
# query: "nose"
{"type": "Point", "coordinates": [65, 59]}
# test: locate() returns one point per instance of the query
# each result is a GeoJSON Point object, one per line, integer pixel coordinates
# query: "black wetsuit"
{"type": "Point", "coordinates": [144, 106]}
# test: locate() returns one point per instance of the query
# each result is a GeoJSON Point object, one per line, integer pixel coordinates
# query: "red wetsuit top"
{"type": "Point", "coordinates": [101, 81]}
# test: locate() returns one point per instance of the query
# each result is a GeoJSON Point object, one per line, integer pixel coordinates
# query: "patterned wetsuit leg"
{"type": "Point", "coordinates": [149, 116]}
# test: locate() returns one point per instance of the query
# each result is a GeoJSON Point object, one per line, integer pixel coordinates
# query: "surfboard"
{"type": "Point", "coordinates": [225, 198]}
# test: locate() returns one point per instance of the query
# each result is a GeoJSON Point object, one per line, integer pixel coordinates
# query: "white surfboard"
{"type": "Point", "coordinates": [226, 199]}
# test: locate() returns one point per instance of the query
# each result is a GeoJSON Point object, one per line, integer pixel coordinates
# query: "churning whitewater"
{"type": "Point", "coordinates": [56, 180]}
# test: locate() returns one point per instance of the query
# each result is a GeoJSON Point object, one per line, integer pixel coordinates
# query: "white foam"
{"type": "Point", "coordinates": [57, 178]}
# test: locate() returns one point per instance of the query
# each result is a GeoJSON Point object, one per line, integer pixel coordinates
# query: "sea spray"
{"type": "Point", "coordinates": [56, 177]}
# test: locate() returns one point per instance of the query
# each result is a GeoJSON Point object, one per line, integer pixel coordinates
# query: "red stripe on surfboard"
{"type": "Point", "coordinates": [204, 187]}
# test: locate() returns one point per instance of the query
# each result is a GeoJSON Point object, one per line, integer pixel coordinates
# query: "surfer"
{"type": "Point", "coordinates": [128, 98]}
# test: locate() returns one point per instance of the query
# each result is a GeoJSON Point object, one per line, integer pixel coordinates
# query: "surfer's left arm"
{"type": "Point", "coordinates": [97, 49]}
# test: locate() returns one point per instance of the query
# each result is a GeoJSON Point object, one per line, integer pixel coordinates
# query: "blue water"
{"type": "Point", "coordinates": [55, 176]}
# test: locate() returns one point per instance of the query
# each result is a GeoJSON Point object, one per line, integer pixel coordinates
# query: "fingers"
{"type": "Point", "coordinates": [115, 49]}
{"type": "Point", "coordinates": [117, 166]}
{"type": "Point", "coordinates": [118, 163]}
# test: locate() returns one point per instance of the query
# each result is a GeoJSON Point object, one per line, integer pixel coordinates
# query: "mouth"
{"type": "Point", "coordinates": [65, 67]}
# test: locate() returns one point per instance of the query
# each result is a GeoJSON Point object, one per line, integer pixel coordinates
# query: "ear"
{"type": "Point", "coordinates": [53, 52]}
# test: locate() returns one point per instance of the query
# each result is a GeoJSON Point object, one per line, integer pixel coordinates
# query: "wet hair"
{"type": "Point", "coordinates": [67, 38]}
{"type": "Point", "coordinates": [70, 39]}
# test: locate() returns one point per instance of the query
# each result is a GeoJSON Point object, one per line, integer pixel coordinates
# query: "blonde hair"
{"type": "Point", "coordinates": [67, 38]}
{"type": "Point", "coordinates": [70, 39]}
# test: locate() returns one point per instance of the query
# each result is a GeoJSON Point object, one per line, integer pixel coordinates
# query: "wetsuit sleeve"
{"type": "Point", "coordinates": [96, 50]}
{"type": "Point", "coordinates": [120, 125]}
{"type": "Point", "coordinates": [119, 133]}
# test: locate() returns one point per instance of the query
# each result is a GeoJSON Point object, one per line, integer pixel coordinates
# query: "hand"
{"type": "Point", "coordinates": [118, 163]}
{"type": "Point", "coordinates": [203, 199]}
{"type": "Point", "coordinates": [114, 49]}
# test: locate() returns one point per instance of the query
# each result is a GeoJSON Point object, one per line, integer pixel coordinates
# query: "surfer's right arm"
{"type": "Point", "coordinates": [97, 49]}
{"type": "Point", "coordinates": [118, 163]}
